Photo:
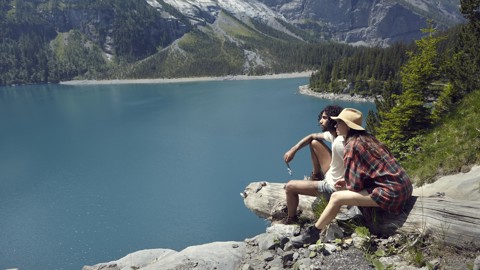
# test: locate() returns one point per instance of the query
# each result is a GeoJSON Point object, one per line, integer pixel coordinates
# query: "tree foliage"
{"type": "Point", "coordinates": [463, 68]}
{"type": "Point", "coordinates": [360, 70]}
{"type": "Point", "coordinates": [432, 85]}
{"type": "Point", "coordinates": [410, 115]}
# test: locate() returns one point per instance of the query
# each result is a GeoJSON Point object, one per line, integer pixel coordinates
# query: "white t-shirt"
{"type": "Point", "coordinates": [337, 167]}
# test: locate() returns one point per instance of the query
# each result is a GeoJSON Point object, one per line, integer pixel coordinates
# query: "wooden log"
{"type": "Point", "coordinates": [453, 222]}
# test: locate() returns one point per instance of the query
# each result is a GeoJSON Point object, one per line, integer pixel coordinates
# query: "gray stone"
{"type": "Point", "coordinates": [138, 259]}
{"type": "Point", "coordinates": [267, 256]}
{"type": "Point", "coordinates": [246, 267]}
{"type": "Point", "coordinates": [329, 249]}
{"type": "Point", "coordinates": [476, 264]}
{"type": "Point", "coordinates": [434, 264]}
{"type": "Point", "coordinates": [276, 263]}
{"type": "Point", "coordinates": [276, 236]}
{"type": "Point", "coordinates": [283, 230]}
{"type": "Point", "coordinates": [216, 255]}
{"type": "Point", "coordinates": [302, 264]}
{"type": "Point", "coordinates": [352, 212]}
{"type": "Point", "coordinates": [333, 232]}
{"type": "Point", "coordinates": [287, 256]}
{"type": "Point", "coordinates": [268, 241]}
{"type": "Point", "coordinates": [288, 246]}
{"type": "Point", "coordinates": [360, 242]}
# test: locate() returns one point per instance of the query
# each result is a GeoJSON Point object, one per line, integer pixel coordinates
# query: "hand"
{"type": "Point", "coordinates": [289, 155]}
{"type": "Point", "coordinates": [341, 184]}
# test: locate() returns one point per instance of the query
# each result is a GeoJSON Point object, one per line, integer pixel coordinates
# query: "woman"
{"type": "Point", "coordinates": [373, 177]}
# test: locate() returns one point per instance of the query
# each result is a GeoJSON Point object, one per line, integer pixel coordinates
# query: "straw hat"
{"type": "Point", "coordinates": [351, 117]}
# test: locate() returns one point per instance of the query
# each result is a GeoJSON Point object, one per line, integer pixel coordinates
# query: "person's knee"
{"type": "Point", "coordinates": [320, 148]}
{"type": "Point", "coordinates": [290, 187]}
{"type": "Point", "coordinates": [315, 144]}
{"type": "Point", "coordinates": [336, 199]}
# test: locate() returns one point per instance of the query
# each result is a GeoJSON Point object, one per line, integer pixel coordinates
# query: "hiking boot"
{"type": "Point", "coordinates": [310, 236]}
{"type": "Point", "coordinates": [317, 177]}
{"type": "Point", "coordinates": [290, 220]}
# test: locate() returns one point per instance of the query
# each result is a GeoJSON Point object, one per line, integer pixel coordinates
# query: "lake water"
{"type": "Point", "coordinates": [89, 173]}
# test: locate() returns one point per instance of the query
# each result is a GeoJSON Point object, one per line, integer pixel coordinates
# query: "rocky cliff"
{"type": "Point", "coordinates": [370, 22]}
{"type": "Point", "coordinates": [177, 38]}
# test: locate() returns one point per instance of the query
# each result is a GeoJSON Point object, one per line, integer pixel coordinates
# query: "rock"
{"type": "Point", "coordinates": [288, 256]}
{"type": "Point", "coordinates": [138, 260]}
{"type": "Point", "coordinates": [434, 264]}
{"type": "Point", "coordinates": [364, 22]}
{"type": "Point", "coordinates": [267, 256]}
{"type": "Point", "coordinates": [302, 264]}
{"type": "Point", "coordinates": [476, 264]}
{"type": "Point", "coordinates": [216, 255]}
{"type": "Point", "coordinates": [333, 232]}
{"type": "Point", "coordinates": [275, 236]}
{"type": "Point", "coordinates": [267, 241]}
{"type": "Point", "coordinates": [360, 242]}
{"type": "Point", "coordinates": [458, 186]}
{"type": "Point", "coordinates": [282, 230]}
{"type": "Point", "coordinates": [246, 267]}
{"type": "Point", "coordinates": [399, 263]}
{"type": "Point", "coordinates": [276, 263]}
{"type": "Point", "coordinates": [329, 249]}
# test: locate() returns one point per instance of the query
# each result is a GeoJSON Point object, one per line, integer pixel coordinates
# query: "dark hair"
{"type": "Point", "coordinates": [331, 110]}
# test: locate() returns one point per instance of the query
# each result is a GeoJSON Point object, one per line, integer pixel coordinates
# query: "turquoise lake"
{"type": "Point", "coordinates": [90, 173]}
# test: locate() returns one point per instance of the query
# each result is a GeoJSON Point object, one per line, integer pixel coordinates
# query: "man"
{"type": "Point", "coordinates": [328, 165]}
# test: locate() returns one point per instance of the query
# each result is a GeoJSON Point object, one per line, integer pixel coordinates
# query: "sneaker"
{"type": "Point", "coordinates": [290, 220]}
{"type": "Point", "coordinates": [310, 236]}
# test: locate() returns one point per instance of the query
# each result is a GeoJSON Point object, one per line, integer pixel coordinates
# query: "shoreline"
{"type": "Point", "coordinates": [305, 90]}
{"type": "Point", "coordinates": [303, 74]}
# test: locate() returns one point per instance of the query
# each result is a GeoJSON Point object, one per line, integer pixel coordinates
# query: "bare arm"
{"type": "Point", "coordinates": [290, 154]}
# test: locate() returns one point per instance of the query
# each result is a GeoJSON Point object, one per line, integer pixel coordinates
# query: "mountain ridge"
{"type": "Point", "coordinates": [372, 22]}
{"type": "Point", "coordinates": [184, 38]}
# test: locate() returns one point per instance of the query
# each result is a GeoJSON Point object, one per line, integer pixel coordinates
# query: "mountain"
{"type": "Point", "coordinates": [368, 22]}
{"type": "Point", "coordinates": [242, 36]}
{"type": "Point", "coordinates": [56, 40]}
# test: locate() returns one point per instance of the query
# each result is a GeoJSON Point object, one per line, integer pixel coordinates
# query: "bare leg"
{"type": "Point", "coordinates": [321, 156]}
{"type": "Point", "coordinates": [343, 197]}
{"type": "Point", "coordinates": [296, 187]}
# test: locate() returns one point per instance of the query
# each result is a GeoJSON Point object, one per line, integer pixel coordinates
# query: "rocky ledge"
{"type": "Point", "coordinates": [273, 249]}
{"type": "Point", "coordinates": [216, 255]}
{"type": "Point", "coordinates": [270, 250]}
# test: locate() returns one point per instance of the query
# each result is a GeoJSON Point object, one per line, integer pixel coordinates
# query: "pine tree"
{"type": "Point", "coordinates": [464, 67]}
{"type": "Point", "coordinates": [410, 116]}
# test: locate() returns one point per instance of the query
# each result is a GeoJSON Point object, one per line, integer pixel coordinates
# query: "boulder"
{"type": "Point", "coordinates": [216, 255]}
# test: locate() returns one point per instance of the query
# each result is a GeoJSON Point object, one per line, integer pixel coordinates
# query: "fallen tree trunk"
{"type": "Point", "coordinates": [454, 222]}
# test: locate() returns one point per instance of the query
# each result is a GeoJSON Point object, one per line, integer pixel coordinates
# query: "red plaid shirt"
{"type": "Point", "coordinates": [369, 166]}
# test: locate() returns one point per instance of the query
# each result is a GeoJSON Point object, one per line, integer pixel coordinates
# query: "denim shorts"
{"type": "Point", "coordinates": [325, 189]}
